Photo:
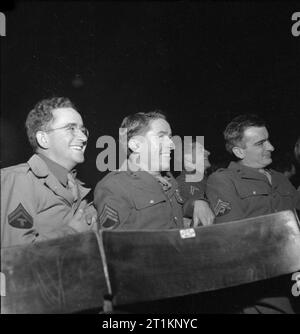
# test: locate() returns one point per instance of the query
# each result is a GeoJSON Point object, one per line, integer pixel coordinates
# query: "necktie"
{"type": "Point", "coordinates": [72, 186]}
{"type": "Point", "coordinates": [267, 174]}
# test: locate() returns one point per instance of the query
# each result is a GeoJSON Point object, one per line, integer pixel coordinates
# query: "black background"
{"type": "Point", "coordinates": [202, 63]}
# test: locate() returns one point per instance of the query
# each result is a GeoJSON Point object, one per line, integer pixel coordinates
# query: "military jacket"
{"type": "Point", "coordinates": [35, 206]}
{"type": "Point", "coordinates": [239, 192]}
{"type": "Point", "coordinates": [129, 200]}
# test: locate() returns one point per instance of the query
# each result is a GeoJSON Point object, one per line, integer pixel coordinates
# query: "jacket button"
{"type": "Point", "coordinates": [152, 201]}
{"type": "Point", "coordinates": [254, 192]}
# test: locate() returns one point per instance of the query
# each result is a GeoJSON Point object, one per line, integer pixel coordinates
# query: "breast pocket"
{"type": "Point", "coordinates": [287, 195]}
{"type": "Point", "coordinates": [143, 202]}
{"type": "Point", "coordinates": [246, 192]}
{"type": "Point", "coordinates": [285, 191]}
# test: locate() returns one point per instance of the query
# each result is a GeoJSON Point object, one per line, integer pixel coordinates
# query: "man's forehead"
{"type": "Point", "coordinates": [159, 125]}
{"type": "Point", "coordinates": [68, 115]}
{"type": "Point", "coordinates": [254, 133]}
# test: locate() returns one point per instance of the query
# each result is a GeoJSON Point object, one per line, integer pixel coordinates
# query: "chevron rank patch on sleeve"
{"type": "Point", "coordinates": [109, 218]}
{"type": "Point", "coordinates": [20, 218]}
{"type": "Point", "coordinates": [222, 208]}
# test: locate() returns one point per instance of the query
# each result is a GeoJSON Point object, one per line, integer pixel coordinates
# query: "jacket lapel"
{"type": "Point", "coordinates": [40, 169]}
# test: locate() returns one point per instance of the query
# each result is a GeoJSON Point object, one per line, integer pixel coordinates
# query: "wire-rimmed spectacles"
{"type": "Point", "coordinates": [72, 128]}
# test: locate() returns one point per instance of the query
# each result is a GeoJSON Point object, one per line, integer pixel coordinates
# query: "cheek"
{"type": "Point", "coordinates": [62, 144]}
{"type": "Point", "coordinates": [255, 154]}
{"type": "Point", "coordinates": [264, 152]}
{"type": "Point", "coordinates": [165, 143]}
{"type": "Point", "coordinates": [155, 145]}
{"type": "Point", "coordinates": [261, 153]}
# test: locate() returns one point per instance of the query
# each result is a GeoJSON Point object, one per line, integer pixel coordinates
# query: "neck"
{"type": "Point", "coordinates": [135, 164]}
{"type": "Point", "coordinates": [50, 157]}
{"type": "Point", "coordinates": [244, 163]}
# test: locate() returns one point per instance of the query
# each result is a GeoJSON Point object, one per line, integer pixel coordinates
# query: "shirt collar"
{"type": "Point", "coordinates": [149, 179]}
{"type": "Point", "coordinates": [60, 172]}
{"type": "Point", "coordinates": [246, 171]}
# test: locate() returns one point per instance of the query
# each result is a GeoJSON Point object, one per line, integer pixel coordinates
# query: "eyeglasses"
{"type": "Point", "coordinates": [72, 128]}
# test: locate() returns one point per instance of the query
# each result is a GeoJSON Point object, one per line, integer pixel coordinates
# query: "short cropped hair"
{"type": "Point", "coordinates": [41, 115]}
{"type": "Point", "coordinates": [297, 150]}
{"type": "Point", "coordinates": [137, 124]}
{"type": "Point", "coordinates": [234, 132]}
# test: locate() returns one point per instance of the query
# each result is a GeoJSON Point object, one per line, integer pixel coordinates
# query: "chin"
{"type": "Point", "coordinates": [268, 161]}
{"type": "Point", "coordinates": [79, 160]}
{"type": "Point", "coordinates": [165, 168]}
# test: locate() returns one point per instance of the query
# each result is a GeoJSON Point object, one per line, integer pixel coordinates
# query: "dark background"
{"type": "Point", "coordinates": [202, 63]}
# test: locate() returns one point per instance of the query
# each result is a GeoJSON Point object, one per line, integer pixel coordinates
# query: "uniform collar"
{"type": "Point", "coordinates": [152, 183]}
{"type": "Point", "coordinates": [38, 166]}
{"type": "Point", "coordinates": [247, 172]}
{"type": "Point", "coordinates": [148, 180]}
{"type": "Point", "coordinates": [60, 172]}
{"type": "Point", "coordinates": [41, 170]}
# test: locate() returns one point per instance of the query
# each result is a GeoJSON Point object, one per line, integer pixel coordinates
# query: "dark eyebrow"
{"type": "Point", "coordinates": [67, 124]}
{"type": "Point", "coordinates": [163, 133]}
{"type": "Point", "coordinates": [261, 141]}
{"type": "Point", "coordinates": [72, 124]}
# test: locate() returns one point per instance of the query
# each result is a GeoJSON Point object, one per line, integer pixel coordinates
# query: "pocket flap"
{"type": "Point", "coordinates": [250, 190]}
{"type": "Point", "coordinates": [147, 200]}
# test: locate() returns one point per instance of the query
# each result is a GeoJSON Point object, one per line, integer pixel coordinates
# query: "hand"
{"type": "Point", "coordinates": [187, 222]}
{"type": "Point", "coordinates": [91, 216]}
{"type": "Point", "coordinates": [84, 218]}
{"type": "Point", "coordinates": [202, 213]}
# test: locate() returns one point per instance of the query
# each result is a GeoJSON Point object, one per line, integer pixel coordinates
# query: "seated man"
{"type": "Point", "coordinates": [42, 199]}
{"type": "Point", "coordinates": [194, 185]}
{"type": "Point", "coordinates": [247, 189]}
{"type": "Point", "coordinates": [143, 194]}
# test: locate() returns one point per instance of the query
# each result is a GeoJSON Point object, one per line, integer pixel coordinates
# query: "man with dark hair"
{"type": "Point", "coordinates": [42, 199]}
{"type": "Point", "coordinates": [143, 194]}
{"type": "Point", "coordinates": [234, 132]}
{"type": "Point", "coordinates": [248, 189]}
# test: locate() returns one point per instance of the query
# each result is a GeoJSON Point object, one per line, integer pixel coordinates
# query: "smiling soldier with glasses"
{"type": "Point", "coordinates": [42, 199]}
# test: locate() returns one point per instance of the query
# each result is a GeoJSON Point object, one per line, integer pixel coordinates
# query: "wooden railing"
{"type": "Point", "coordinates": [79, 272]}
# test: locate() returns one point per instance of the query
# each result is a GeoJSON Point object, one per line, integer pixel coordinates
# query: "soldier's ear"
{"type": "Point", "coordinates": [238, 152]}
{"type": "Point", "coordinates": [134, 144]}
{"type": "Point", "coordinates": [42, 139]}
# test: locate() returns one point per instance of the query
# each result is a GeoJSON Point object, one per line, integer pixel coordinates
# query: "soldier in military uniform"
{"type": "Point", "coordinates": [42, 199]}
{"type": "Point", "coordinates": [247, 188]}
{"type": "Point", "coordinates": [143, 194]}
